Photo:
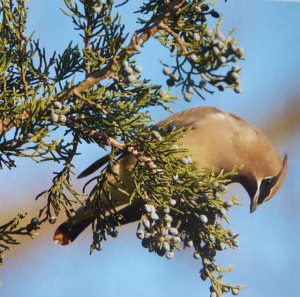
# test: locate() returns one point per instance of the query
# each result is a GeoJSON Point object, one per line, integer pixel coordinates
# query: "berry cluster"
{"type": "Point", "coordinates": [189, 221]}
{"type": "Point", "coordinates": [157, 231]}
{"type": "Point", "coordinates": [130, 72]}
{"type": "Point", "coordinates": [97, 7]}
{"type": "Point", "coordinates": [35, 222]}
{"type": "Point", "coordinates": [186, 214]}
{"type": "Point", "coordinates": [57, 113]}
{"type": "Point", "coordinates": [203, 10]}
{"type": "Point", "coordinates": [209, 51]}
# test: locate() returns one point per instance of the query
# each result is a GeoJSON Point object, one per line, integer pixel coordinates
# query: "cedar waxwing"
{"type": "Point", "coordinates": [216, 140]}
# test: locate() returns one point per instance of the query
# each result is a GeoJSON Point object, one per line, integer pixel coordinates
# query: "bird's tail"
{"type": "Point", "coordinates": [68, 231]}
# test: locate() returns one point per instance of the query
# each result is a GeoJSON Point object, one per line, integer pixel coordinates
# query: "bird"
{"type": "Point", "coordinates": [215, 140]}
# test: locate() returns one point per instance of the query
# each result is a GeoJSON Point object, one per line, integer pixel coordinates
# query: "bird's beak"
{"type": "Point", "coordinates": [253, 204]}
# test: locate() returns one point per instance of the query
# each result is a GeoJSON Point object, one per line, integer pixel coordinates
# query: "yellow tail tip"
{"type": "Point", "coordinates": [61, 238]}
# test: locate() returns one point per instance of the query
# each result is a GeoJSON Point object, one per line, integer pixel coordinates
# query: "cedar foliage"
{"type": "Point", "coordinates": [42, 96]}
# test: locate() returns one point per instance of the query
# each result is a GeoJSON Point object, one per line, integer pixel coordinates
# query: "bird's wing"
{"type": "Point", "coordinates": [190, 118]}
{"type": "Point", "coordinates": [94, 167]}
{"type": "Point", "coordinates": [216, 140]}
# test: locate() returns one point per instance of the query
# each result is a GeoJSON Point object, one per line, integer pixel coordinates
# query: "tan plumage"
{"type": "Point", "coordinates": [216, 140]}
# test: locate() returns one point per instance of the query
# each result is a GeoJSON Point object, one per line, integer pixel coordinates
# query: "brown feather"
{"type": "Point", "coordinates": [217, 141]}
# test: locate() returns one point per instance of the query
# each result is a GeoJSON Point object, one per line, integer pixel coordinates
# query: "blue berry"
{"type": "Point", "coordinates": [198, 9]}
{"type": "Point", "coordinates": [131, 78]}
{"type": "Point", "coordinates": [235, 243]}
{"type": "Point", "coordinates": [175, 177]}
{"type": "Point", "coordinates": [137, 48]}
{"type": "Point", "coordinates": [176, 77]}
{"type": "Point", "coordinates": [125, 63]}
{"type": "Point", "coordinates": [170, 255]}
{"type": "Point", "coordinates": [154, 216]}
{"type": "Point", "coordinates": [35, 221]}
{"type": "Point", "coordinates": [222, 59]}
{"type": "Point", "coordinates": [211, 238]}
{"type": "Point", "coordinates": [140, 234]}
{"type": "Point", "coordinates": [145, 243]}
{"type": "Point", "coordinates": [240, 52]}
{"type": "Point", "coordinates": [235, 291]}
{"type": "Point", "coordinates": [184, 160]}
{"type": "Point", "coordinates": [157, 135]}
{"type": "Point", "coordinates": [62, 118]}
{"type": "Point", "coordinates": [52, 220]}
{"type": "Point", "coordinates": [222, 187]}
{"type": "Point", "coordinates": [229, 203]}
{"type": "Point", "coordinates": [209, 32]}
{"type": "Point", "coordinates": [148, 207]}
{"type": "Point", "coordinates": [176, 239]}
{"type": "Point", "coordinates": [166, 209]}
{"type": "Point", "coordinates": [193, 202]}
{"type": "Point", "coordinates": [168, 218]}
{"type": "Point", "coordinates": [202, 84]}
{"type": "Point", "coordinates": [162, 93]}
{"type": "Point", "coordinates": [215, 185]}
{"type": "Point", "coordinates": [204, 7]}
{"type": "Point", "coordinates": [196, 37]}
{"type": "Point", "coordinates": [232, 233]}
{"type": "Point", "coordinates": [203, 275]}
{"type": "Point", "coordinates": [203, 219]}
{"type": "Point", "coordinates": [193, 57]}
{"type": "Point", "coordinates": [223, 211]}
{"type": "Point", "coordinates": [214, 14]}
{"type": "Point", "coordinates": [166, 246]}
{"type": "Point", "coordinates": [170, 82]}
{"type": "Point", "coordinates": [166, 71]}
{"type": "Point", "coordinates": [221, 36]}
{"type": "Point", "coordinates": [164, 232]}
{"type": "Point", "coordinates": [197, 255]}
{"type": "Point", "coordinates": [128, 70]}
{"type": "Point", "coordinates": [190, 90]}
{"type": "Point", "coordinates": [57, 105]}
{"type": "Point", "coordinates": [151, 248]}
{"type": "Point", "coordinates": [54, 117]}
{"type": "Point", "coordinates": [173, 202]}
{"type": "Point", "coordinates": [173, 231]}
{"type": "Point", "coordinates": [190, 243]}
{"type": "Point", "coordinates": [216, 51]}
{"type": "Point", "coordinates": [238, 90]}
{"type": "Point", "coordinates": [221, 88]}
{"type": "Point", "coordinates": [138, 68]}
{"type": "Point", "coordinates": [187, 97]}
{"type": "Point", "coordinates": [146, 223]}
{"type": "Point", "coordinates": [161, 252]}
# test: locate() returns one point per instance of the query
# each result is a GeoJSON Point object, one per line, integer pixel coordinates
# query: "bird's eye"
{"type": "Point", "coordinates": [265, 188]}
{"type": "Point", "coordinates": [269, 181]}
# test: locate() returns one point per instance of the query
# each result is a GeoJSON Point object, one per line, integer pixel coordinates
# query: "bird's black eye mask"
{"type": "Point", "coordinates": [265, 188]}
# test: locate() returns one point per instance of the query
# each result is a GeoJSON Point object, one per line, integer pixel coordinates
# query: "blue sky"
{"type": "Point", "coordinates": [267, 260]}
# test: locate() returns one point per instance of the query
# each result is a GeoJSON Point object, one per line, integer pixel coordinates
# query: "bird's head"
{"type": "Point", "coordinates": [268, 185]}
